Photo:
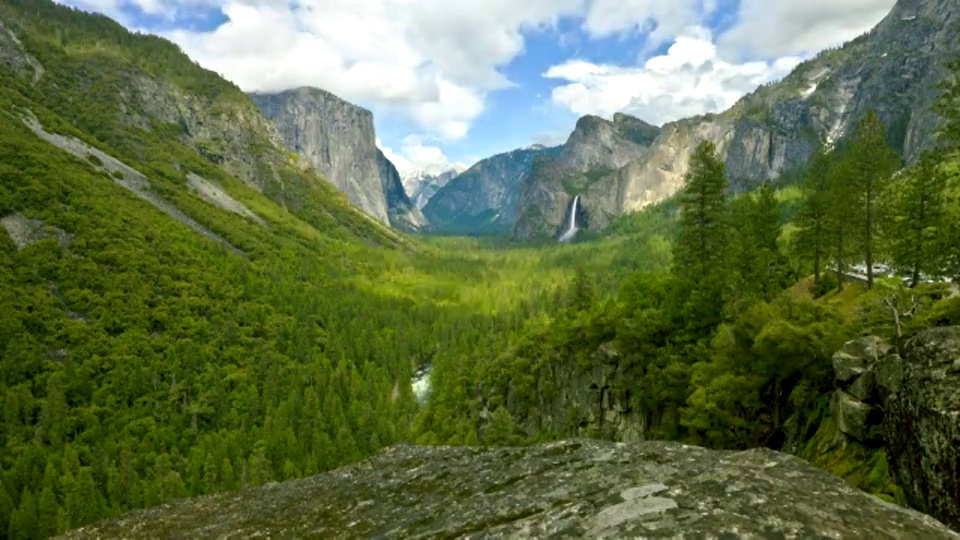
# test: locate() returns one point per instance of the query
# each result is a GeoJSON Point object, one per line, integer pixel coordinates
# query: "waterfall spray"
{"type": "Point", "coordinates": [572, 226]}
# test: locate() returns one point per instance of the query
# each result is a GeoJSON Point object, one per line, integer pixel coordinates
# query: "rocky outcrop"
{"type": "Point", "coordinates": [216, 196]}
{"type": "Point", "coordinates": [484, 199]}
{"type": "Point", "coordinates": [404, 214]}
{"type": "Point", "coordinates": [921, 425]}
{"type": "Point", "coordinates": [13, 55]}
{"type": "Point", "coordinates": [124, 176]}
{"type": "Point", "coordinates": [25, 231]}
{"type": "Point", "coordinates": [909, 407]}
{"type": "Point", "coordinates": [586, 165]}
{"type": "Point", "coordinates": [588, 402]}
{"type": "Point", "coordinates": [335, 137]}
{"type": "Point", "coordinates": [568, 489]}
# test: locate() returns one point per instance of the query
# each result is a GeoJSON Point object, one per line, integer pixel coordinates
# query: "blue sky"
{"type": "Point", "coordinates": [452, 82]}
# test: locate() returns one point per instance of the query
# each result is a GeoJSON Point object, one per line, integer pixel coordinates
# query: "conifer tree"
{"type": "Point", "coordinates": [872, 165]}
{"type": "Point", "coordinates": [920, 219]}
{"type": "Point", "coordinates": [83, 501]}
{"type": "Point", "coordinates": [701, 249]}
{"type": "Point", "coordinates": [840, 220]}
{"type": "Point", "coordinates": [23, 523]}
{"type": "Point", "coordinates": [48, 512]}
{"type": "Point", "coordinates": [6, 509]}
{"type": "Point", "coordinates": [814, 212]}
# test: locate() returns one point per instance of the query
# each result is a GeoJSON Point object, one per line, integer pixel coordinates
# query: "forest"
{"type": "Point", "coordinates": [730, 345]}
{"type": "Point", "coordinates": [141, 362]}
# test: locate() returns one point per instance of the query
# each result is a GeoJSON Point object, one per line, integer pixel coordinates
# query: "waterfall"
{"type": "Point", "coordinates": [572, 226]}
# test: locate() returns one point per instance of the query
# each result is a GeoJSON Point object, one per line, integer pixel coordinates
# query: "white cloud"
{"type": "Point", "coordinates": [662, 18]}
{"type": "Point", "coordinates": [434, 61]}
{"type": "Point", "coordinates": [770, 28]}
{"type": "Point", "coordinates": [690, 79]}
{"type": "Point", "coordinates": [415, 156]}
{"type": "Point", "coordinates": [437, 61]}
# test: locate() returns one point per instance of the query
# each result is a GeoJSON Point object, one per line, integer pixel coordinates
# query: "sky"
{"type": "Point", "coordinates": [454, 81]}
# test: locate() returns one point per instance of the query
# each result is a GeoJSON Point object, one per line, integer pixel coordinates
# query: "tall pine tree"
{"type": "Point", "coordinates": [872, 165]}
{"type": "Point", "coordinates": [815, 210]}
{"type": "Point", "coordinates": [919, 220]}
{"type": "Point", "coordinates": [701, 251]}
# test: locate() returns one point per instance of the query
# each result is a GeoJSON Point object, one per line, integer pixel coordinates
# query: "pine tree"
{"type": "Point", "coordinates": [873, 163]}
{"type": "Point", "coordinates": [6, 509]}
{"type": "Point", "coordinates": [814, 212]}
{"type": "Point", "coordinates": [24, 524]}
{"type": "Point", "coordinates": [48, 507]}
{"type": "Point", "coordinates": [53, 417]}
{"type": "Point", "coordinates": [759, 265]}
{"type": "Point", "coordinates": [701, 249]}
{"type": "Point", "coordinates": [228, 479]}
{"type": "Point", "coordinates": [83, 501]}
{"type": "Point", "coordinates": [840, 220]}
{"type": "Point", "coordinates": [502, 429]}
{"type": "Point", "coordinates": [48, 512]}
{"type": "Point", "coordinates": [582, 290]}
{"type": "Point", "coordinates": [919, 219]}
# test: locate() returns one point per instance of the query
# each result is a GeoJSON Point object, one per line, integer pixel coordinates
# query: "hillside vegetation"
{"type": "Point", "coordinates": [142, 362]}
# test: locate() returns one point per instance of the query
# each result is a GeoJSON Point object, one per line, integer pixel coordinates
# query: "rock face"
{"type": "Point", "coordinates": [569, 489]}
{"type": "Point", "coordinates": [404, 214]}
{"type": "Point", "coordinates": [893, 70]}
{"type": "Point", "coordinates": [910, 407]}
{"type": "Point", "coordinates": [334, 136]}
{"type": "Point", "coordinates": [921, 425]}
{"type": "Point", "coordinates": [586, 165]}
{"type": "Point", "coordinates": [484, 199]}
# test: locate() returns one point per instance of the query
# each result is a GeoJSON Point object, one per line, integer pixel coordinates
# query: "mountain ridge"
{"type": "Point", "coordinates": [892, 68]}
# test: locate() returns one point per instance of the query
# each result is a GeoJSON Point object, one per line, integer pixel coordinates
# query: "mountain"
{"type": "Point", "coordinates": [337, 138]}
{"type": "Point", "coordinates": [892, 69]}
{"type": "Point", "coordinates": [404, 214]}
{"type": "Point", "coordinates": [593, 152]}
{"type": "Point", "coordinates": [568, 489]}
{"type": "Point", "coordinates": [178, 291]}
{"type": "Point", "coordinates": [422, 186]}
{"type": "Point", "coordinates": [483, 200]}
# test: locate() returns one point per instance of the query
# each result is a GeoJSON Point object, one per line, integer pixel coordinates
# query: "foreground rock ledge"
{"type": "Point", "coordinates": [567, 489]}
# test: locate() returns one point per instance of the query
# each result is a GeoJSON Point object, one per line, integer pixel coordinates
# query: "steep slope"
{"type": "Point", "coordinates": [595, 150]}
{"type": "Point", "coordinates": [334, 136]}
{"type": "Point", "coordinates": [403, 213]}
{"type": "Point", "coordinates": [422, 186]}
{"type": "Point", "coordinates": [568, 489]}
{"type": "Point", "coordinates": [893, 69]}
{"type": "Point", "coordinates": [176, 289]}
{"type": "Point", "coordinates": [483, 200]}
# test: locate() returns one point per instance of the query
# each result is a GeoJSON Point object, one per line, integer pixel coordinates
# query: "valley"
{"type": "Point", "coordinates": [218, 306]}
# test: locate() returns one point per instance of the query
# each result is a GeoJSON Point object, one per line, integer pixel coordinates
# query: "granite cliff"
{"type": "Point", "coordinates": [593, 153]}
{"type": "Point", "coordinates": [893, 69]}
{"type": "Point", "coordinates": [338, 139]}
{"type": "Point", "coordinates": [567, 489]}
{"type": "Point", "coordinates": [909, 406]}
{"type": "Point", "coordinates": [404, 214]}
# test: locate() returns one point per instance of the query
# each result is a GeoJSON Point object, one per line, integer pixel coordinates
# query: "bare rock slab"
{"type": "Point", "coordinates": [568, 489]}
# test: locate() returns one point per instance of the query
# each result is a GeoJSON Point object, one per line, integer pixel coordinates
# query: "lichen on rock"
{"type": "Point", "coordinates": [567, 489]}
